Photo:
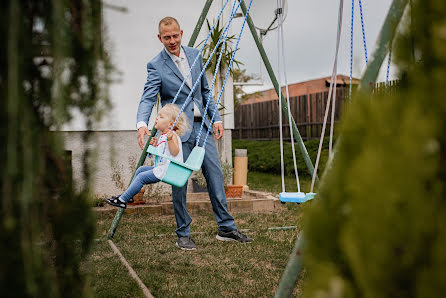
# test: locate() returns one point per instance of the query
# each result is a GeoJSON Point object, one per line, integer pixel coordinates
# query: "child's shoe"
{"type": "Point", "coordinates": [116, 197]}
{"type": "Point", "coordinates": [115, 201]}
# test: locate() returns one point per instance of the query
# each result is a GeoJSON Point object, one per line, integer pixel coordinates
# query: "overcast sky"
{"type": "Point", "coordinates": [309, 29]}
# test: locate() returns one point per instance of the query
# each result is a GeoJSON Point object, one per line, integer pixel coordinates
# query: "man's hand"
{"type": "Point", "coordinates": [218, 131]}
{"type": "Point", "coordinates": [143, 130]}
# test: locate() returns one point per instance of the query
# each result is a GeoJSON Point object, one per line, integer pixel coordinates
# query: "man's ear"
{"type": "Point", "coordinates": [181, 33]}
{"type": "Point", "coordinates": [159, 37]}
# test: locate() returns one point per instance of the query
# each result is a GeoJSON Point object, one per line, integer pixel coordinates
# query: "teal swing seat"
{"type": "Point", "coordinates": [179, 172]}
{"type": "Point", "coordinates": [296, 197]}
{"type": "Point", "coordinates": [292, 197]}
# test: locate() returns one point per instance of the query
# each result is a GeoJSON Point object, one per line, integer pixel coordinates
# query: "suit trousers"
{"type": "Point", "coordinates": [214, 178]}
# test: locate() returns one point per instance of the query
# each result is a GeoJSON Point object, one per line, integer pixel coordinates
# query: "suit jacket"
{"type": "Point", "coordinates": [164, 77]}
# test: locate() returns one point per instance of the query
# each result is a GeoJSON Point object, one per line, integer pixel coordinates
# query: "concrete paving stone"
{"type": "Point", "coordinates": [197, 196]}
{"type": "Point", "coordinates": [197, 206]}
{"type": "Point", "coordinates": [262, 205]}
{"type": "Point", "coordinates": [167, 208]}
{"type": "Point", "coordinates": [240, 205]}
{"type": "Point", "coordinates": [151, 210]}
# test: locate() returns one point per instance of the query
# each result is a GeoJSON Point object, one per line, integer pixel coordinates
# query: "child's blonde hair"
{"type": "Point", "coordinates": [172, 112]}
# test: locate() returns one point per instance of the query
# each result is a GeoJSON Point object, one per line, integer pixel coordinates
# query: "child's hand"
{"type": "Point", "coordinates": [169, 135]}
{"type": "Point", "coordinates": [153, 141]}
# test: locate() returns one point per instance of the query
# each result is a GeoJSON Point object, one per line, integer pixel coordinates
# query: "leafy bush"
{"type": "Point", "coordinates": [264, 156]}
{"type": "Point", "coordinates": [52, 65]}
{"type": "Point", "coordinates": [378, 226]}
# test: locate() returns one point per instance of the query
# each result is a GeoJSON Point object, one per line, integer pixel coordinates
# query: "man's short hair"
{"type": "Point", "coordinates": [167, 21]}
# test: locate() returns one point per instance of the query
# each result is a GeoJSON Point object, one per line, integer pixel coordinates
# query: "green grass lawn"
{"type": "Point", "coordinates": [273, 183]}
{"type": "Point", "coordinates": [216, 269]}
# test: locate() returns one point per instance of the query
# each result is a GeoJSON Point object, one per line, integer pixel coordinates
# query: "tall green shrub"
{"type": "Point", "coordinates": [52, 62]}
{"type": "Point", "coordinates": [378, 227]}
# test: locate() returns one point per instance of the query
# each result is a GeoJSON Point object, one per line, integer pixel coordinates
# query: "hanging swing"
{"type": "Point", "coordinates": [301, 197]}
{"type": "Point", "coordinates": [178, 172]}
{"type": "Point", "coordinates": [333, 78]}
{"type": "Point", "coordinates": [291, 197]}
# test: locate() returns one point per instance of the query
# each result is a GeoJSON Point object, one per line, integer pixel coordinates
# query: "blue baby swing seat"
{"type": "Point", "coordinates": [179, 172]}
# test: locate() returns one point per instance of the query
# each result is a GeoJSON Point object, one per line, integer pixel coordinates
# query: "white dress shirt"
{"type": "Point", "coordinates": [183, 66]}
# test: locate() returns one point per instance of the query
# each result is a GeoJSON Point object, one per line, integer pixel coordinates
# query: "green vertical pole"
{"type": "Point", "coordinates": [271, 74]}
{"type": "Point", "coordinates": [200, 22]}
{"type": "Point", "coordinates": [394, 15]}
{"type": "Point", "coordinates": [142, 158]}
{"type": "Point", "coordinates": [292, 270]}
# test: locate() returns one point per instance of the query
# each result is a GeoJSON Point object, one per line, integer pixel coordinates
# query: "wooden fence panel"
{"type": "Point", "coordinates": [260, 121]}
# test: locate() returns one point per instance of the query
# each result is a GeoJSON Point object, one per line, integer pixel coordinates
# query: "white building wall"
{"type": "Point", "coordinates": [117, 150]}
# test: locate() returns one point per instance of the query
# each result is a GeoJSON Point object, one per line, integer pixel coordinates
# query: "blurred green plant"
{"type": "Point", "coordinates": [378, 225]}
{"type": "Point", "coordinates": [226, 56]}
{"type": "Point", "coordinates": [227, 53]}
{"type": "Point", "coordinates": [226, 169]}
{"type": "Point", "coordinates": [52, 64]}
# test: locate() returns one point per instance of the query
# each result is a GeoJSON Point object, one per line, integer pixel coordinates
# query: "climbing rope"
{"type": "Point", "coordinates": [335, 70]}
{"type": "Point", "coordinates": [282, 164]}
{"type": "Point", "coordinates": [281, 53]}
{"type": "Point", "coordinates": [327, 107]}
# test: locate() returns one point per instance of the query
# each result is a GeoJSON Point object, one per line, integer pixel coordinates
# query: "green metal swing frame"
{"type": "Point", "coordinates": [394, 15]}
{"type": "Point", "coordinates": [273, 78]}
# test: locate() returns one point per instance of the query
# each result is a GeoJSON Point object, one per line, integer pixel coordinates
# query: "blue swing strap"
{"type": "Point", "coordinates": [199, 53]}
{"type": "Point", "coordinates": [351, 43]}
{"type": "Point", "coordinates": [226, 77]}
{"type": "Point", "coordinates": [186, 102]}
{"type": "Point", "coordinates": [224, 35]}
{"type": "Point", "coordinates": [351, 51]}
{"type": "Point", "coordinates": [363, 32]}
{"type": "Point", "coordinates": [388, 65]}
{"type": "Point", "coordinates": [214, 79]}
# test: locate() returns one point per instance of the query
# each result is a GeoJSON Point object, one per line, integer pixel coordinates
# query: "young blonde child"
{"type": "Point", "coordinates": [169, 142]}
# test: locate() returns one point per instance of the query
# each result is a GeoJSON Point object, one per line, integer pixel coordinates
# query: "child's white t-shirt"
{"type": "Point", "coordinates": [160, 170]}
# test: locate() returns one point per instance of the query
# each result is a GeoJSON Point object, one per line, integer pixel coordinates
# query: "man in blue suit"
{"type": "Point", "coordinates": [166, 72]}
